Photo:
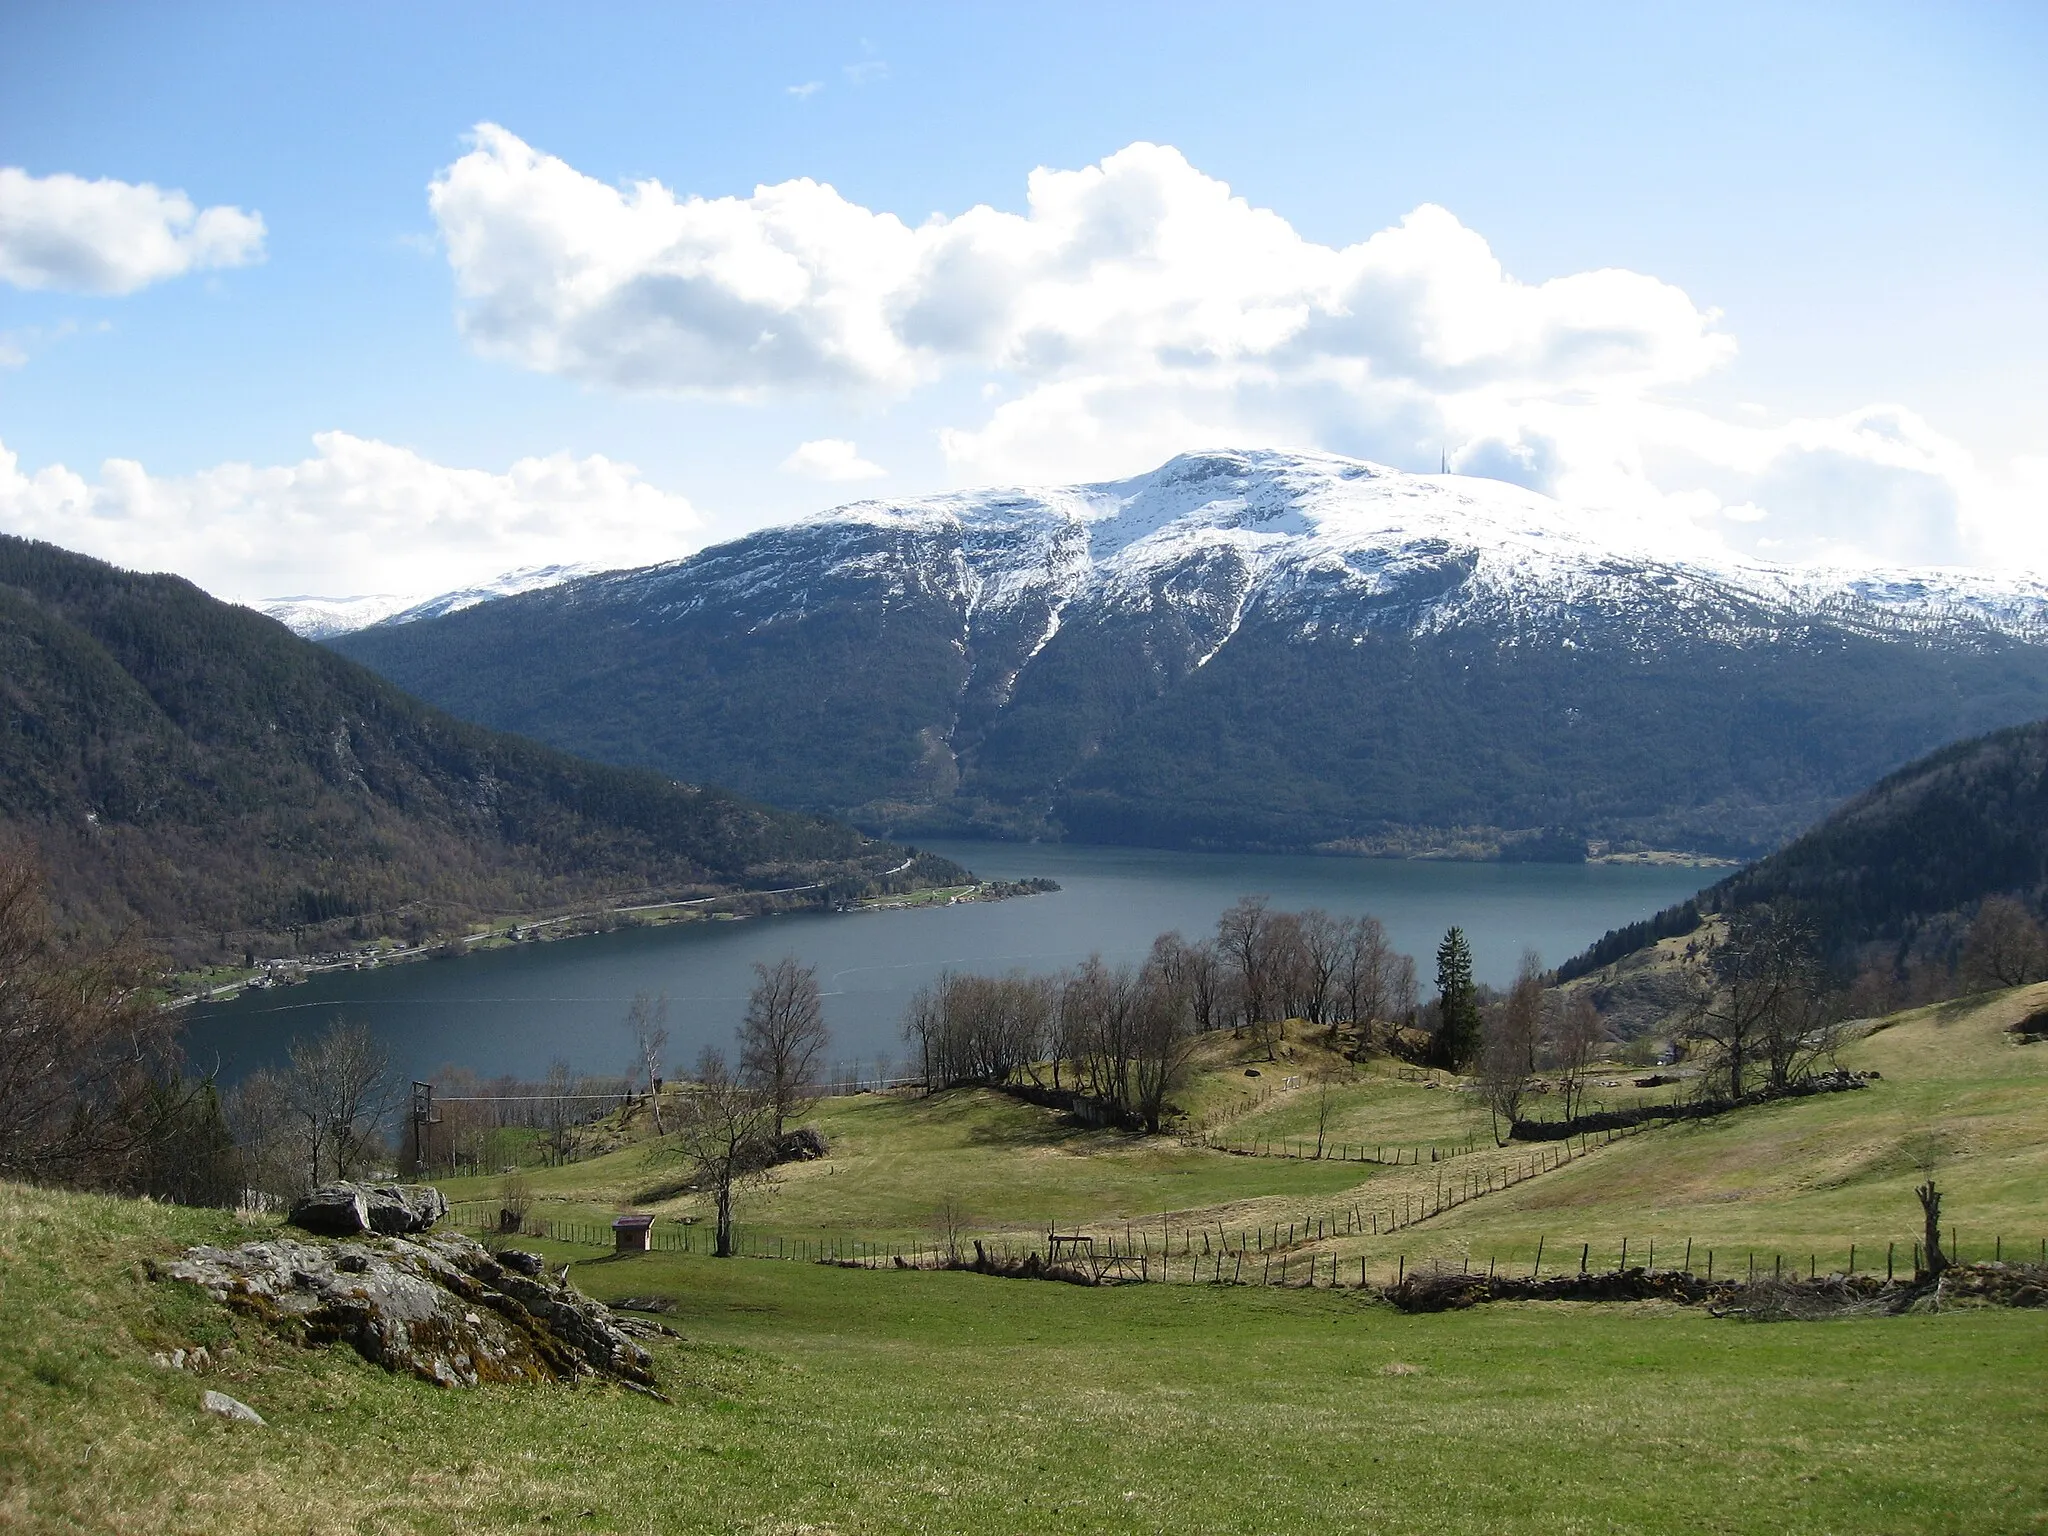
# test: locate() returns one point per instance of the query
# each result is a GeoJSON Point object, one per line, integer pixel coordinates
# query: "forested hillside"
{"type": "Point", "coordinates": [196, 771]}
{"type": "Point", "coordinates": [1895, 875]}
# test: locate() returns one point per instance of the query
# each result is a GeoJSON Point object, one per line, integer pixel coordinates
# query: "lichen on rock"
{"type": "Point", "coordinates": [441, 1308]}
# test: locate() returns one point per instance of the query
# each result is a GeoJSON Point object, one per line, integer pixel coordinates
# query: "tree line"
{"type": "Point", "coordinates": [1117, 1039]}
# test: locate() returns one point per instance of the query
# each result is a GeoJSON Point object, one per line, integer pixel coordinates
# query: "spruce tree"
{"type": "Point", "coordinates": [1457, 1032]}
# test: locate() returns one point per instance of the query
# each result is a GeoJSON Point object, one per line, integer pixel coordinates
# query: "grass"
{"type": "Point", "coordinates": [1799, 1181]}
{"type": "Point", "coordinates": [809, 1398]}
{"type": "Point", "coordinates": [816, 1399]}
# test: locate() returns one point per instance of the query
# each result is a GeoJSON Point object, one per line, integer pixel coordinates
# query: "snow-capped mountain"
{"type": "Point", "coordinates": [1273, 648]}
{"type": "Point", "coordinates": [323, 618]}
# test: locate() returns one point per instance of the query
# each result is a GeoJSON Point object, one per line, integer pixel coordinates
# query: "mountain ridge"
{"type": "Point", "coordinates": [1255, 650]}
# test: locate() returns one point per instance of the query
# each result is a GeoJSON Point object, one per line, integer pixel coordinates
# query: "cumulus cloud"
{"type": "Point", "coordinates": [1137, 308]}
{"type": "Point", "coordinates": [113, 237]}
{"type": "Point", "coordinates": [359, 516]}
{"type": "Point", "coordinates": [831, 458]}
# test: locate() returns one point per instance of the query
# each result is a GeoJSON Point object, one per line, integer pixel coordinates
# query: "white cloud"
{"type": "Point", "coordinates": [831, 458]}
{"type": "Point", "coordinates": [112, 237]}
{"type": "Point", "coordinates": [1136, 308]}
{"type": "Point", "coordinates": [359, 516]}
{"type": "Point", "coordinates": [805, 91]}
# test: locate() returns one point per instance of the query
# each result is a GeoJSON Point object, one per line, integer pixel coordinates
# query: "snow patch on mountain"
{"type": "Point", "coordinates": [1332, 546]}
{"type": "Point", "coordinates": [1338, 545]}
{"type": "Point", "coordinates": [322, 618]}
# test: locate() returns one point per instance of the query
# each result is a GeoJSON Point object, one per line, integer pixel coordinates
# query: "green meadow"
{"type": "Point", "coordinates": [817, 1398]}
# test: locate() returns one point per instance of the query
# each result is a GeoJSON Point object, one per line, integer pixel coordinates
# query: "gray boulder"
{"type": "Point", "coordinates": [441, 1308]}
{"type": "Point", "coordinates": [396, 1209]}
{"type": "Point", "coordinates": [230, 1408]}
{"type": "Point", "coordinates": [350, 1210]}
{"type": "Point", "coordinates": [333, 1210]}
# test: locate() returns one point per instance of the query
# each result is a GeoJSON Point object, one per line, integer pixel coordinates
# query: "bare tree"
{"type": "Point", "coordinates": [1522, 1010]}
{"type": "Point", "coordinates": [1162, 1035]}
{"type": "Point", "coordinates": [260, 1120]}
{"type": "Point", "coordinates": [723, 1137]}
{"type": "Point", "coordinates": [1576, 1041]}
{"type": "Point", "coordinates": [559, 1109]}
{"type": "Point", "coordinates": [82, 1054]}
{"type": "Point", "coordinates": [515, 1200]}
{"type": "Point", "coordinates": [1765, 1003]}
{"type": "Point", "coordinates": [2004, 947]}
{"type": "Point", "coordinates": [1208, 984]}
{"type": "Point", "coordinates": [1326, 1106]}
{"type": "Point", "coordinates": [338, 1091]}
{"type": "Point", "coordinates": [1321, 944]}
{"type": "Point", "coordinates": [1244, 938]}
{"type": "Point", "coordinates": [647, 1022]}
{"type": "Point", "coordinates": [1503, 1067]}
{"type": "Point", "coordinates": [950, 1223]}
{"type": "Point", "coordinates": [1366, 976]}
{"type": "Point", "coordinates": [986, 1029]}
{"type": "Point", "coordinates": [783, 1036]}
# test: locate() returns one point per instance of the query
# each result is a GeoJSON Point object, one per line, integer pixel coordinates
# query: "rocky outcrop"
{"type": "Point", "coordinates": [349, 1210]}
{"type": "Point", "coordinates": [441, 1308]}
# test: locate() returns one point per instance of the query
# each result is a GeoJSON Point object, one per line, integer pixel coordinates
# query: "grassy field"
{"type": "Point", "coordinates": [813, 1398]}
{"type": "Point", "coordinates": [1799, 1182]}
{"type": "Point", "coordinates": [819, 1399]}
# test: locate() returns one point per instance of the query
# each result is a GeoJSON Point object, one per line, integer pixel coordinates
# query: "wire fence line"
{"type": "Point", "coordinates": [1247, 1262]}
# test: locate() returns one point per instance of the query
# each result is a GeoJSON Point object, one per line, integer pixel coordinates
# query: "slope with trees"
{"type": "Point", "coordinates": [195, 772]}
{"type": "Point", "coordinates": [1928, 883]}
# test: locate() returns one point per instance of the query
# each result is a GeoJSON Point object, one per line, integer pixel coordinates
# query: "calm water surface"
{"type": "Point", "coordinates": [517, 1009]}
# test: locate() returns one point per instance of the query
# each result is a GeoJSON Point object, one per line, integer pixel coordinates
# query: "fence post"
{"type": "Point", "coordinates": [1537, 1269]}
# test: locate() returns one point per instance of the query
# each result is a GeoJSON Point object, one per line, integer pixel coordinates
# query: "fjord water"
{"type": "Point", "coordinates": [517, 1009]}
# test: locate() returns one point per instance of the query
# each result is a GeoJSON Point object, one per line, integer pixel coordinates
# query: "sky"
{"type": "Point", "coordinates": [323, 299]}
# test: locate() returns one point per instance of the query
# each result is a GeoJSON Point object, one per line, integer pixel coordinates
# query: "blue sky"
{"type": "Point", "coordinates": [1834, 343]}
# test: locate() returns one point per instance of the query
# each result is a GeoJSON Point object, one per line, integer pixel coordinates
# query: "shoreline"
{"type": "Point", "coordinates": [655, 914]}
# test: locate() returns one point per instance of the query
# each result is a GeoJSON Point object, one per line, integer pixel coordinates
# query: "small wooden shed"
{"type": "Point", "coordinates": [632, 1233]}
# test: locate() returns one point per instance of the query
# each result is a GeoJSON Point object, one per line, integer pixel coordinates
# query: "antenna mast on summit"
{"type": "Point", "coordinates": [1445, 467]}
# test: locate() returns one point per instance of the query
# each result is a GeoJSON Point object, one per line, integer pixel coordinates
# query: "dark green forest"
{"type": "Point", "coordinates": [195, 772]}
{"type": "Point", "coordinates": [1902, 865]}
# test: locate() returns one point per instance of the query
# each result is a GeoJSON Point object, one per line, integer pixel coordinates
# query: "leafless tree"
{"type": "Point", "coordinates": [83, 1057]}
{"type": "Point", "coordinates": [515, 1200]}
{"type": "Point", "coordinates": [2005, 946]}
{"type": "Point", "coordinates": [1208, 984]}
{"type": "Point", "coordinates": [647, 1022]}
{"type": "Point", "coordinates": [1575, 1042]}
{"type": "Point", "coordinates": [260, 1120]}
{"type": "Point", "coordinates": [783, 1036]}
{"type": "Point", "coordinates": [1244, 938]}
{"type": "Point", "coordinates": [723, 1136]}
{"type": "Point", "coordinates": [1323, 941]}
{"type": "Point", "coordinates": [950, 1224]}
{"type": "Point", "coordinates": [1764, 1004]}
{"type": "Point", "coordinates": [1363, 975]}
{"type": "Point", "coordinates": [559, 1110]}
{"type": "Point", "coordinates": [983, 1029]}
{"type": "Point", "coordinates": [1503, 1067]}
{"type": "Point", "coordinates": [1522, 1009]}
{"type": "Point", "coordinates": [1162, 1034]}
{"type": "Point", "coordinates": [1326, 1106]}
{"type": "Point", "coordinates": [338, 1092]}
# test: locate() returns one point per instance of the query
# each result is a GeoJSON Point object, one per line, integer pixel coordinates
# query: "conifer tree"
{"type": "Point", "coordinates": [1458, 1025]}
